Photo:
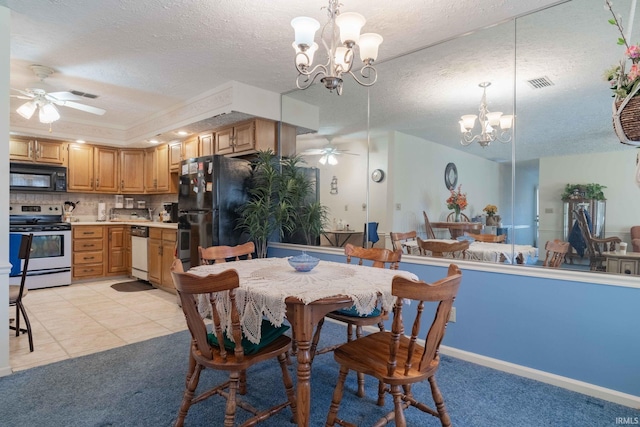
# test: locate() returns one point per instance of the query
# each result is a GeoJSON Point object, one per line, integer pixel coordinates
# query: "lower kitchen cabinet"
{"type": "Point", "coordinates": [162, 244]}
{"type": "Point", "coordinates": [117, 250]}
{"type": "Point", "coordinates": [88, 252]}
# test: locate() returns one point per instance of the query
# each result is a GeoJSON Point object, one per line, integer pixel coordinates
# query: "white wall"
{"type": "Point", "coordinates": [615, 170]}
{"type": "Point", "coordinates": [5, 267]}
{"type": "Point", "coordinates": [417, 177]}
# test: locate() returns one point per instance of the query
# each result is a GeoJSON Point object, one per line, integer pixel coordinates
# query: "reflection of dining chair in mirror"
{"type": "Point", "coordinates": [399, 240]}
{"type": "Point", "coordinates": [452, 216]}
{"type": "Point", "coordinates": [427, 227]}
{"type": "Point", "coordinates": [594, 246]}
{"type": "Point", "coordinates": [437, 248]}
{"type": "Point", "coordinates": [635, 238]}
{"type": "Point", "coordinates": [216, 254]}
{"type": "Point", "coordinates": [556, 251]}
{"type": "Point", "coordinates": [487, 238]}
{"type": "Point", "coordinates": [370, 234]}
{"type": "Point", "coordinates": [214, 350]}
{"type": "Point", "coordinates": [379, 257]}
{"type": "Point", "coordinates": [399, 361]}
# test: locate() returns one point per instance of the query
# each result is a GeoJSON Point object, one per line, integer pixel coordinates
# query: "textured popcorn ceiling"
{"type": "Point", "coordinates": [143, 57]}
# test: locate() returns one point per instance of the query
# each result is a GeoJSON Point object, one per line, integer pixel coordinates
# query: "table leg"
{"type": "Point", "coordinates": [300, 317]}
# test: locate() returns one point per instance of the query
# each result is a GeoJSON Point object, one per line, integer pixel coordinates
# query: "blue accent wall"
{"type": "Point", "coordinates": [584, 331]}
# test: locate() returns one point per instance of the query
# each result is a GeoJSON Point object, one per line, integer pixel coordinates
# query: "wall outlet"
{"type": "Point", "coordinates": [452, 315]}
{"type": "Point", "coordinates": [548, 210]}
{"type": "Point", "coordinates": [398, 206]}
{"type": "Point", "coordinates": [364, 207]}
{"type": "Point", "coordinates": [346, 207]}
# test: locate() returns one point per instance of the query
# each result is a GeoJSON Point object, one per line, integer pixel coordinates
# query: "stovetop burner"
{"type": "Point", "coordinates": [35, 217]}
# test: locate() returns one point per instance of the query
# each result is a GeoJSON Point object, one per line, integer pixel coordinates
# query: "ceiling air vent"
{"type": "Point", "coordinates": [540, 82]}
{"type": "Point", "coordinates": [83, 94]}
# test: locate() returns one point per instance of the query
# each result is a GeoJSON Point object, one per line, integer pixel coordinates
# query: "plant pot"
{"type": "Point", "coordinates": [626, 123]}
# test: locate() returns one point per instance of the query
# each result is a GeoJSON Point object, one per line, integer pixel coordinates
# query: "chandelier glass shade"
{"type": "Point", "coordinates": [494, 126]}
{"type": "Point", "coordinates": [339, 36]}
{"type": "Point", "coordinates": [48, 113]}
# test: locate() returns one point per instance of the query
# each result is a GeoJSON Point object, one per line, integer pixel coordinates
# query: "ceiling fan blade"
{"type": "Point", "coordinates": [28, 95]}
{"type": "Point", "coordinates": [81, 107]}
{"type": "Point", "coordinates": [64, 96]}
{"type": "Point", "coordinates": [21, 96]}
{"type": "Point", "coordinates": [313, 152]}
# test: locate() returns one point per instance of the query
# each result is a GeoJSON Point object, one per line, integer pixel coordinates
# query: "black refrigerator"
{"type": "Point", "coordinates": [211, 189]}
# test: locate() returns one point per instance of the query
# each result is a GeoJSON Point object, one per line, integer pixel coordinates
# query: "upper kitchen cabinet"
{"type": "Point", "coordinates": [252, 136]}
{"type": "Point", "coordinates": [131, 163]}
{"type": "Point", "coordinates": [157, 178]}
{"type": "Point", "coordinates": [175, 156]}
{"type": "Point", "coordinates": [92, 169]}
{"type": "Point", "coordinates": [206, 143]}
{"type": "Point", "coordinates": [36, 150]}
{"type": "Point", "coordinates": [190, 148]}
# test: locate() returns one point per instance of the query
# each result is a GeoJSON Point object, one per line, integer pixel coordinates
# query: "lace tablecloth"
{"type": "Point", "coordinates": [266, 283]}
{"type": "Point", "coordinates": [493, 252]}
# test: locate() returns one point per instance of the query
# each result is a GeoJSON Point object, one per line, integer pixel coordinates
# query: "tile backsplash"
{"type": "Point", "coordinates": [87, 209]}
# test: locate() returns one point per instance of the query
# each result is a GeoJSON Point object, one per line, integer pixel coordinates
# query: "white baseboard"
{"type": "Point", "coordinates": [5, 371]}
{"type": "Point", "coordinates": [546, 377]}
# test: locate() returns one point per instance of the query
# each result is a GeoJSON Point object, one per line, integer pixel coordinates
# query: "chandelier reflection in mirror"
{"type": "Point", "coordinates": [493, 126]}
{"type": "Point", "coordinates": [339, 36]}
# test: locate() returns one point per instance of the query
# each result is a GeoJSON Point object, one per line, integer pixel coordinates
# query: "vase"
{"type": "Point", "coordinates": [457, 215]}
{"type": "Point", "coordinates": [493, 220]}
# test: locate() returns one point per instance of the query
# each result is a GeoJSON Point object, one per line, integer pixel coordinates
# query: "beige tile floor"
{"type": "Point", "coordinates": [85, 318]}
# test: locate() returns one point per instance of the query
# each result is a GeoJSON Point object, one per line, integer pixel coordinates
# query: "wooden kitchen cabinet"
{"type": "Point", "coordinates": [156, 170]}
{"type": "Point", "coordinates": [206, 143]}
{"type": "Point", "coordinates": [117, 250]}
{"type": "Point", "coordinates": [247, 137]}
{"type": "Point", "coordinates": [175, 156]}
{"type": "Point", "coordinates": [131, 163]}
{"type": "Point", "coordinates": [92, 169]}
{"type": "Point", "coordinates": [161, 252]}
{"type": "Point", "coordinates": [36, 151]}
{"type": "Point", "coordinates": [88, 253]}
{"type": "Point", "coordinates": [190, 148]}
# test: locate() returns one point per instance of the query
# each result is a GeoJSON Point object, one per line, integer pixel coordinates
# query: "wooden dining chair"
{"type": "Point", "coordinates": [437, 248]}
{"type": "Point", "coordinates": [379, 258]}
{"type": "Point", "coordinates": [427, 227]}
{"type": "Point", "coordinates": [18, 292]}
{"type": "Point", "coordinates": [556, 251]}
{"type": "Point", "coordinates": [228, 350]}
{"type": "Point", "coordinates": [398, 240]}
{"type": "Point", "coordinates": [399, 361]}
{"type": "Point", "coordinates": [452, 216]}
{"type": "Point", "coordinates": [217, 254]}
{"type": "Point", "coordinates": [487, 238]}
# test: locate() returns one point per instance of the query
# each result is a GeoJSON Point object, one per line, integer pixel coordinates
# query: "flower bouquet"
{"type": "Point", "coordinates": [457, 201]}
{"type": "Point", "coordinates": [625, 86]}
{"type": "Point", "coordinates": [492, 218]}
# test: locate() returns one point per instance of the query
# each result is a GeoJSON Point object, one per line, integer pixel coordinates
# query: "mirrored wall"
{"type": "Point", "coordinates": [545, 68]}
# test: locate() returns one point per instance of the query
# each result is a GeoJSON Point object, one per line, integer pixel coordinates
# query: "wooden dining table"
{"type": "Point", "coordinates": [270, 287]}
{"type": "Point", "coordinates": [458, 229]}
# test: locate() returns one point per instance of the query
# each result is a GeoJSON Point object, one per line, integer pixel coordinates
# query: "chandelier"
{"type": "Point", "coordinates": [493, 126]}
{"type": "Point", "coordinates": [339, 36]}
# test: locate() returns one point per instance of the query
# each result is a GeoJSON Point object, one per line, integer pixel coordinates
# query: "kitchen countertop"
{"type": "Point", "coordinates": [134, 222]}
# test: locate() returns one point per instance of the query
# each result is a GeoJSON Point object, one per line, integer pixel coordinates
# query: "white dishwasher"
{"type": "Point", "coordinates": [139, 266]}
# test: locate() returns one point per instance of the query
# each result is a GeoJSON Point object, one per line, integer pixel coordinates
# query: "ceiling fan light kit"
{"type": "Point", "coordinates": [46, 103]}
{"type": "Point", "coordinates": [339, 36]}
{"type": "Point", "coordinates": [493, 125]}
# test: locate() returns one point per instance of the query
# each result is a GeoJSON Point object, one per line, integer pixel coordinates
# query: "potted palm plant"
{"type": "Point", "coordinates": [280, 200]}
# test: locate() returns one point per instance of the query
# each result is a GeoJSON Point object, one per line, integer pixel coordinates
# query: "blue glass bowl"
{"type": "Point", "coordinates": [303, 263]}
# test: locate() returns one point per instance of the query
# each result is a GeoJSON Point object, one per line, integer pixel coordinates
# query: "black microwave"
{"type": "Point", "coordinates": [35, 177]}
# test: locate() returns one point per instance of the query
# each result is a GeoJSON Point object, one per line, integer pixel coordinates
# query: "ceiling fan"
{"type": "Point", "coordinates": [328, 153]}
{"type": "Point", "coordinates": [39, 99]}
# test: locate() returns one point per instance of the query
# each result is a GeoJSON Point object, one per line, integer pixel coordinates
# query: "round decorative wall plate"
{"type": "Point", "coordinates": [451, 176]}
{"type": "Point", "coordinates": [377, 175]}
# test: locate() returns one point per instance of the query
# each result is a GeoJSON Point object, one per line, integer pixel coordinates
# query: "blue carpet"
{"type": "Point", "coordinates": [141, 385]}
